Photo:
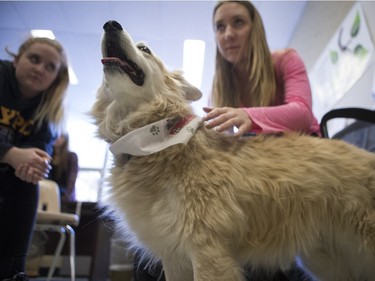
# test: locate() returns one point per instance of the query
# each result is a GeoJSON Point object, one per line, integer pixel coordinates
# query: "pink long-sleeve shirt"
{"type": "Point", "coordinates": [293, 108]}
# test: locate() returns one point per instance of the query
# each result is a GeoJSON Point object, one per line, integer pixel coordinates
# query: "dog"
{"type": "Point", "coordinates": [206, 203]}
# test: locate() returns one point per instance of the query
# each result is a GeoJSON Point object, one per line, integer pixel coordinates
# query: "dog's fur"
{"type": "Point", "coordinates": [208, 207]}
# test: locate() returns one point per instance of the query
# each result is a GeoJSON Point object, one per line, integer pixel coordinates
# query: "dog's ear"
{"type": "Point", "coordinates": [192, 93]}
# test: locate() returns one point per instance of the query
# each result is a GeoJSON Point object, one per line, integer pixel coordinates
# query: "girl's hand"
{"type": "Point", "coordinates": [29, 174]}
{"type": "Point", "coordinates": [30, 164]}
{"type": "Point", "coordinates": [225, 118]}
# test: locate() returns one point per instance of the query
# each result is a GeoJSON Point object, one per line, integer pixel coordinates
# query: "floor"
{"type": "Point", "coordinates": [58, 279]}
{"type": "Point", "coordinates": [77, 279]}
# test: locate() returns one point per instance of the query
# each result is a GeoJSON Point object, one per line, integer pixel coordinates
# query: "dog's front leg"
{"type": "Point", "coordinates": [209, 265]}
{"type": "Point", "coordinates": [177, 271]}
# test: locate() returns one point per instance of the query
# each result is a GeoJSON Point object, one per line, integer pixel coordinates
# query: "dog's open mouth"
{"type": "Point", "coordinates": [126, 65]}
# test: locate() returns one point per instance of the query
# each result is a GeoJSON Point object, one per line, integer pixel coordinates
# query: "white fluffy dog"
{"type": "Point", "coordinates": [205, 203]}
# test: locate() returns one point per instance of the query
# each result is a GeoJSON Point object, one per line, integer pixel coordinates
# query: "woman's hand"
{"type": "Point", "coordinates": [30, 164]}
{"type": "Point", "coordinates": [225, 118]}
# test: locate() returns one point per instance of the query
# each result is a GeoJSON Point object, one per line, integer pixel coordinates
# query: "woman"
{"type": "Point", "coordinates": [64, 168]}
{"type": "Point", "coordinates": [32, 89]}
{"type": "Point", "coordinates": [254, 89]}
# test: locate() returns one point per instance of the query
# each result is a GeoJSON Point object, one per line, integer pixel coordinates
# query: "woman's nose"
{"type": "Point", "coordinates": [229, 33]}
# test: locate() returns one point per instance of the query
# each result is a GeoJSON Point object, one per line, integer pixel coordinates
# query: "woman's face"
{"type": "Point", "coordinates": [36, 69]}
{"type": "Point", "coordinates": [232, 26]}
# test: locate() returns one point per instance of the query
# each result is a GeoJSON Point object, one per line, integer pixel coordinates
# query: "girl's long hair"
{"type": "Point", "coordinates": [51, 106]}
{"type": "Point", "coordinates": [259, 65]}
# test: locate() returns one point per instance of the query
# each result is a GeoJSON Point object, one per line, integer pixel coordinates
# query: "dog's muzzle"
{"type": "Point", "coordinates": [116, 57]}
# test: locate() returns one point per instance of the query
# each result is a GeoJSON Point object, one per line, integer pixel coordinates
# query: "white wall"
{"type": "Point", "coordinates": [318, 24]}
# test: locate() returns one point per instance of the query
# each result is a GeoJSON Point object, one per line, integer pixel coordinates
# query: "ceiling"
{"type": "Point", "coordinates": [163, 25]}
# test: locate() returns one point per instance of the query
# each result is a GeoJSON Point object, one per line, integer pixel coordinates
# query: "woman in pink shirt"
{"type": "Point", "coordinates": [254, 89]}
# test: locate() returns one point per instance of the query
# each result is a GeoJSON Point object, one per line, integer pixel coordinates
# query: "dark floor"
{"type": "Point", "coordinates": [68, 279]}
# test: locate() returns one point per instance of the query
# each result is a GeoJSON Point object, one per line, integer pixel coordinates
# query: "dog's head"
{"type": "Point", "coordinates": [137, 88]}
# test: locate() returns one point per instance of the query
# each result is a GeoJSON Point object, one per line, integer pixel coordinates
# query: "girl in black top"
{"type": "Point", "coordinates": [32, 89]}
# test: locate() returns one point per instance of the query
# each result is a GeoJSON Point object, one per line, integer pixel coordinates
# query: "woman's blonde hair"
{"type": "Point", "coordinates": [259, 65]}
{"type": "Point", "coordinates": [51, 106]}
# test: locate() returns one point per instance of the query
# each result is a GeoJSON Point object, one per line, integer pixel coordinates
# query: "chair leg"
{"type": "Point", "coordinates": [51, 270]}
{"type": "Point", "coordinates": [72, 252]}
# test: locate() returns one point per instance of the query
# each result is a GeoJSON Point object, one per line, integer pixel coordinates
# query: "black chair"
{"type": "Point", "coordinates": [361, 132]}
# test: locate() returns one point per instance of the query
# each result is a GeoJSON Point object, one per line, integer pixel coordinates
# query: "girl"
{"type": "Point", "coordinates": [32, 90]}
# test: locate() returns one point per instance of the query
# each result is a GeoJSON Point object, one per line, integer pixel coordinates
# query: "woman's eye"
{"type": "Point", "coordinates": [238, 22]}
{"type": "Point", "coordinates": [144, 49]}
{"type": "Point", "coordinates": [219, 27]}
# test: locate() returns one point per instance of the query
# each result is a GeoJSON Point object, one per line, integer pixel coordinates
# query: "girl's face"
{"type": "Point", "coordinates": [37, 68]}
{"type": "Point", "coordinates": [232, 25]}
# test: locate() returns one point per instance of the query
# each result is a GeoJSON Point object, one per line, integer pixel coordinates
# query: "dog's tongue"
{"type": "Point", "coordinates": [121, 63]}
{"type": "Point", "coordinates": [111, 60]}
{"type": "Point", "coordinates": [130, 68]}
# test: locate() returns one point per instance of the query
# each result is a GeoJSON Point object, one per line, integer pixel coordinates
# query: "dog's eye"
{"type": "Point", "coordinates": [144, 49]}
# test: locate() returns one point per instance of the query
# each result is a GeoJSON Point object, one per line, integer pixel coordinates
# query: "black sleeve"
{"type": "Point", "coordinates": [4, 147]}
{"type": "Point", "coordinates": [4, 78]}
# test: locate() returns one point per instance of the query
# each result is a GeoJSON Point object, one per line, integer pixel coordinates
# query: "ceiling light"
{"type": "Point", "coordinates": [43, 33]}
{"type": "Point", "coordinates": [193, 60]}
{"type": "Point", "coordinates": [72, 76]}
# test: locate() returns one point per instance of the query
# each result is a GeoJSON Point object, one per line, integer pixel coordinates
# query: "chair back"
{"type": "Point", "coordinates": [50, 218]}
{"type": "Point", "coordinates": [358, 114]}
{"type": "Point", "coordinates": [361, 128]}
{"type": "Point", "coordinates": [49, 196]}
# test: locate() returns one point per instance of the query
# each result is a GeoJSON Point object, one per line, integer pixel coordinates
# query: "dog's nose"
{"type": "Point", "coordinates": [112, 25]}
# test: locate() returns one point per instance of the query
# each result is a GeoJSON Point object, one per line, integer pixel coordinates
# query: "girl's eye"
{"type": "Point", "coordinates": [51, 67]}
{"type": "Point", "coordinates": [34, 59]}
{"type": "Point", "coordinates": [145, 49]}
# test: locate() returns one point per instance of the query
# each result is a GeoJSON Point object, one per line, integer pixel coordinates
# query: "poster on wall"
{"type": "Point", "coordinates": [342, 62]}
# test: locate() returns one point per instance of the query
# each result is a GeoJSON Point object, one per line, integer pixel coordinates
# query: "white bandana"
{"type": "Point", "coordinates": [156, 136]}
